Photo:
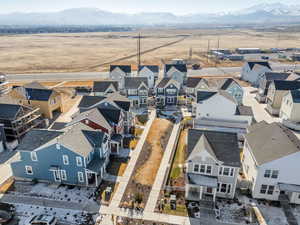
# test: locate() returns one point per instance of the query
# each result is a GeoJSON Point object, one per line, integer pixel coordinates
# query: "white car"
{"type": "Point", "coordinates": [43, 219]}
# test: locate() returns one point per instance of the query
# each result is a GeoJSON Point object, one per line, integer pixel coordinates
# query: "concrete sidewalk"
{"type": "Point", "coordinates": [115, 202]}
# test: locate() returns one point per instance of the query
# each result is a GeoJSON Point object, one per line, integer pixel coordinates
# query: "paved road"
{"type": "Point", "coordinates": [212, 71]}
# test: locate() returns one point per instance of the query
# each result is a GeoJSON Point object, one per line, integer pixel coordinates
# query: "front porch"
{"type": "Point", "coordinates": [95, 172]}
{"type": "Point", "coordinates": [201, 188]}
{"type": "Point", "coordinates": [116, 143]}
{"type": "Point", "coordinates": [289, 193]}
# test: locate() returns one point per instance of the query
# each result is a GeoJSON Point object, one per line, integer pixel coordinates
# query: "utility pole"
{"type": "Point", "coordinates": [218, 42]}
{"type": "Point", "coordinates": [208, 47]}
{"type": "Point", "coordinates": [139, 51]}
{"type": "Point", "coordinates": [190, 54]}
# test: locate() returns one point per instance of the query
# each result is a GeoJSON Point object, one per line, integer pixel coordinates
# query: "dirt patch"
{"type": "Point", "coordinates": [139, 185]}
{"type": "Point", "coordinates": [117, 166]}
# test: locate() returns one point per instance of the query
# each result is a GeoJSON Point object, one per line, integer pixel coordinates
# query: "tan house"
{"type": "Point", "coordinates": [35, 95]}
{"type": "Point", "coordinates": [277, 90]}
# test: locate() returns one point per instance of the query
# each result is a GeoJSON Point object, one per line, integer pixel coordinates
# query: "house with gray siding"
{"type": "Point", "coordinates": [177, 72]}
{"type": "Point", "coordinates": [119, 72]}
{"type": "Point", "coordinates": [77, 155]}
{"type": "Point", "coordinates": [167, 92]}
{"type": "Point", "coordinates": [212, 165]}
{"type": "Point", "coordinates": [105, 87]}
{"type": "Point", "coordinates": [149, 71]}
{"type": "Point", "coordinates": [233, 88]}
{"type": "Point", "coordinates": [137, 90]}
{"type": "Point", "coordinates": [195, 84]}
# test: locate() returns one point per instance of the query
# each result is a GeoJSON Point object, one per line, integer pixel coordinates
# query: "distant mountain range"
{"type": "Point", "coordinates": [261, 14]}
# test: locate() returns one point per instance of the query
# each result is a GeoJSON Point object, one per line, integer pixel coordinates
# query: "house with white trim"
{"type": "Point", "coordinates": [252, 71]}
{"type": "Point", "coordinates": [149, 71]}
{"type": "Point", "coordinates": [119, 72]}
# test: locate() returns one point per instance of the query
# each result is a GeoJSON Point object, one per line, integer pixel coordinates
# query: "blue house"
{"type": "Point", "coordinates": [233, 88]}
{"type": "Point", "coordinates": [77, 156]}
{"type": "Point", "coordinates": [167, 92]}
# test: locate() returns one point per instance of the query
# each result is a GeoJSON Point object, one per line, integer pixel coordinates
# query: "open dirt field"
{"type": "Point", "coordinates": [87, 51]}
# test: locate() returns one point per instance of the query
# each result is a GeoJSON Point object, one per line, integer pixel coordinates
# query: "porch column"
{"type": "Point", "coordinates": [214, 193]}
{"type": "Point", "coordinates": [86, 178]}
{"type": "Point", "coordinates": [201, 191]}
{"type": "Point", "coordinates": [96, 179]}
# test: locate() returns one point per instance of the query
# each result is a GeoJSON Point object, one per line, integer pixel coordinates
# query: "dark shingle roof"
{"type": "Point", "coordinates": [226, 83]}
{"type": "Point", "coordinates": [224, 145]}
{"type": "Point", "coordinates": [286, 85]}
{"type": "Point", "coordinates": [262, 63]}
{"type": "Point", "coordinates": [88, 101]}
{"type": "Point", "coordinates": [110, 112]}
{"type": "Point", "coordinates": [296, 96]}
{"type": "Point", "coordinates": [204, 95]}
{"type": "Point", "coordinates": [124, 68]}
{"type": "Point", "coordinates": [101, 86]}
{"type": "Point", "coordinates": [135, 82]}
{"type": "Point", "coordinates": [192, 82]}
{"type": "Point", "coordinates": [244, 110]}
{"type": "Point", "coordinates": [9, 111]}
{"type": "Point", "coordinates": [163, 82]}
{"type": "Point", "coordinates": [36, 138]}
{"type": "Point", "coordinates": [179, 67]}
{"type": "Point", "coordinates": [276, 76]}
{"type": "Point", "coordinates": [269, 142]}
{"type": "Point", "coordinates": [153, 68]}
{"type": "Point", "coordinates": [38, 94]}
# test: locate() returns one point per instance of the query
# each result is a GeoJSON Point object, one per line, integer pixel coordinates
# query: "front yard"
{"type": "Point", "coordinates": [141, 181]}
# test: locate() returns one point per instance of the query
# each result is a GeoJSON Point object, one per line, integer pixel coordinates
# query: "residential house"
{"type": "Point", "coordinates": [3, 84]}
{"type": "Point", "coordinates": [137, 90]}
{"type": "Point", "coordinates": [149, 71]}
{"type": "Point", "coordinates": [167, 92]}
{"type": "Point", "coordinates": [233, 88]}
{"type": "Point", "coordinates": [77, 156]}
{"type": "Point", "coordinates": [105, 87]}
{"type": "Point", "coordinates": [277, 90]}
{"type": "Point", "coordinates": [195, 84]}
{"type": "Point", "coordinates": [253, 70]}
{"type": "Point", "coordinates": [290, 110]}
{"type": "Point", "coordinates": [219, 111]}
{"type": "Point", "coordinates": [34, 94]}
{"type": "Point", "coordinates": [177, 72]}
{"type": "Point", "coordinates": [212, 165]}
{"type": "Point", "coordinates": [270, 162]}
{"type": "Point", "coordinates": [264, 84]}
{"type": "Point", "coordinates": [109, 119]}
{"type": "Point", "coordinates": [18, 120]}
{"type": "Point", "coordinates": [119, 72]}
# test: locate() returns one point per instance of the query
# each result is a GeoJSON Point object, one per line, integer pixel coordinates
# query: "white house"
{"type": "Point", "coordinates": [195, 84]}
{"type": "Point", "coordinates": [212, 165]}
{"type": "Point", "coordinates": [119, 72]}
{"type": "Point", "coordinates": [149, 71]}
{"type": "Point", "coordinates": [290, 110]}
{"type": "Point", "coordinates": [177, 72]}
{"type": "Point", "coordinates": [253, 70]}
{"type": "Point", "coordinates": [270, 162]}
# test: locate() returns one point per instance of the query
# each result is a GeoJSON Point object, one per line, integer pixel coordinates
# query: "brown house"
{"type": "Point", "coordinates": [35, 95]}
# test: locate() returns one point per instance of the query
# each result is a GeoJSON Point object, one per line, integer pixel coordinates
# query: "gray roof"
{"type": "Point", "coordinates": [163, 82]}
{"type": "Point", "coordinates": [204, 95]}
{"type": "Point", "coordinates": [192, 82]}
{"type": "Point", "coordinates": [12, 111]}
{"type": "Point", "coordinates": [276, 76]}
{"type": "Point", "coordinates": [36, 138]}
{"type": "Point", "coordinates": [228, 96]}
{"type": "Point", "coordinates": [223, 145]}
{"type": "Point", "coordinates": [153, 68]}
{"type": "Point", "coordinates": [244, 110]}
{"type": "Point", "coordinates": [226, 83]}
{"type": "Point", "coordinates": [96, 164]}
{"type": "Point", "coordinates": [102, 86]}
{"type": "Point", "coordinates": [135, 82]}
{"type": "Point", "coordinates": [180, 67]}
{"type": "Point", "coordinates": [202, 180]}
{"type": "Point", "coordinates": [124, 68]}
{"type": "Point", "coordinates": [261, 63]}
{"type": "Point", "coordinates": [286, 85]}
{"type": "Point", "coordinates": [89, 101]}
{"type": "Point", "coordinates": [35, 94]}
{"type": "Point", "coordinates": [295, 96]}
{"type": "Point", "coordinates": [269, 142]}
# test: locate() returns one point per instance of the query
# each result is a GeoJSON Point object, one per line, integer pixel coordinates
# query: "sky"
{"type": "Point", "coordinates": [133, 6]}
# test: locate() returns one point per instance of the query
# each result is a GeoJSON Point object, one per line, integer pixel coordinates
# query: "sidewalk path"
{"type": "Point", "coordinates": [114, 205]}
{"type": "Point", "coordinates": [164, 164]}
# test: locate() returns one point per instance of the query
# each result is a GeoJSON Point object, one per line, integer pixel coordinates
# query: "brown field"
{"type": "Point", "coordinates": [87, 51]}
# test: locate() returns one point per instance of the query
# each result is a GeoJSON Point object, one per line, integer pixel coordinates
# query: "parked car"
{"type": "Point", "coordinates": [265, 57]}
{"type": "Point", "coordinates": [196, 67]}
{"type": "Point", "coordinates": [43, 219]}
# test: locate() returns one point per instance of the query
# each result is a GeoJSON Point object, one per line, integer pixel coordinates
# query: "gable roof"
{"type": "Point", "coordinates": [38, 94]}
{"type": "Point", "coordinates": [180, 67]}
{"type": "Point", "coordinates": [88, 101]}
{"type": "Point", "coordinates": [192, 82]}
{"type": "Point", "coordinates": [9, 111]}
{"type": "Point", "coordinates": [120, 100]}
{"type": "Point", "coordinates": [36, 138]}
{"type": "Point", "coordinates": [295, 96]}
{"type": "Point", "coordinates": [102, 86]}
{"type": "Point", "coordinates": [244, 110]}
{"type": "Point", "coordinates": [135, 82]}
{"type": "Point", "coordinates": [223, 145]}
{"type": "Point", "coordinates": [109, 112]}
{"type": "Point", "coordinates": [204, 95]}
{"type": "Point", "coordinates": [163, 82]}
{"type": "Point", "coordinates": [286, 85]}
{"type": "Point", "coordinates": [201, 145]}
{"type": "Point", "coordinates": [261, 63]}
{"type": "Point", "coordinates": [124, 68]}
{"type": "Point", "coordinates": [153, 68]}
{"type": "Point", "coordinates": [269, 142]}
{"type": "Point", "coordinates": [270, 76]}
{"type": "Point", "coordinates": [228, 96]}
{"type": "Point", "coordinates": [226, 83]}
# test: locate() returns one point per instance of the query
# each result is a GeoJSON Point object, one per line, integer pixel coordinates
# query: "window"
{"type": "Point", "coordinates": [65, 160]}
{"type": "Point", "coordinates": [224, 188]}
{"type": "Point", "coordinates": [160, 90]}
{"type": "Point", "coordinates": [63, 175]}
{"type": "Point", "coordinates": [202, 169]}
{"type": "Point", "coordinates": [263, 189]}
{"type": "Point", "coordinates": [78, 161]}
{"type": "Point", "coordinates": [271, 190]}
{"type": "Point", "coordinates": [196, 167]}
{"type": "Point", "coordinates": [226, 171]}
{"type": "Point", "coordinates": [275, 174]}
{"type": "Point", "coordinates": [33, 156]}
{"type": "Point", "coordinates": [299, 196]}
{"type": "Point", "coordinates": [29, 170]}
{"type": "Point", "coordinates": [267, 173]}
{"type": "Point", "coordinates": [170, 100]}
{"type": "Point", "coordinates": [208, 169]}
{"type": "Point", "coordinates": [80, 177]}
{"type": "Point", "coordinates": [171, 91]}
